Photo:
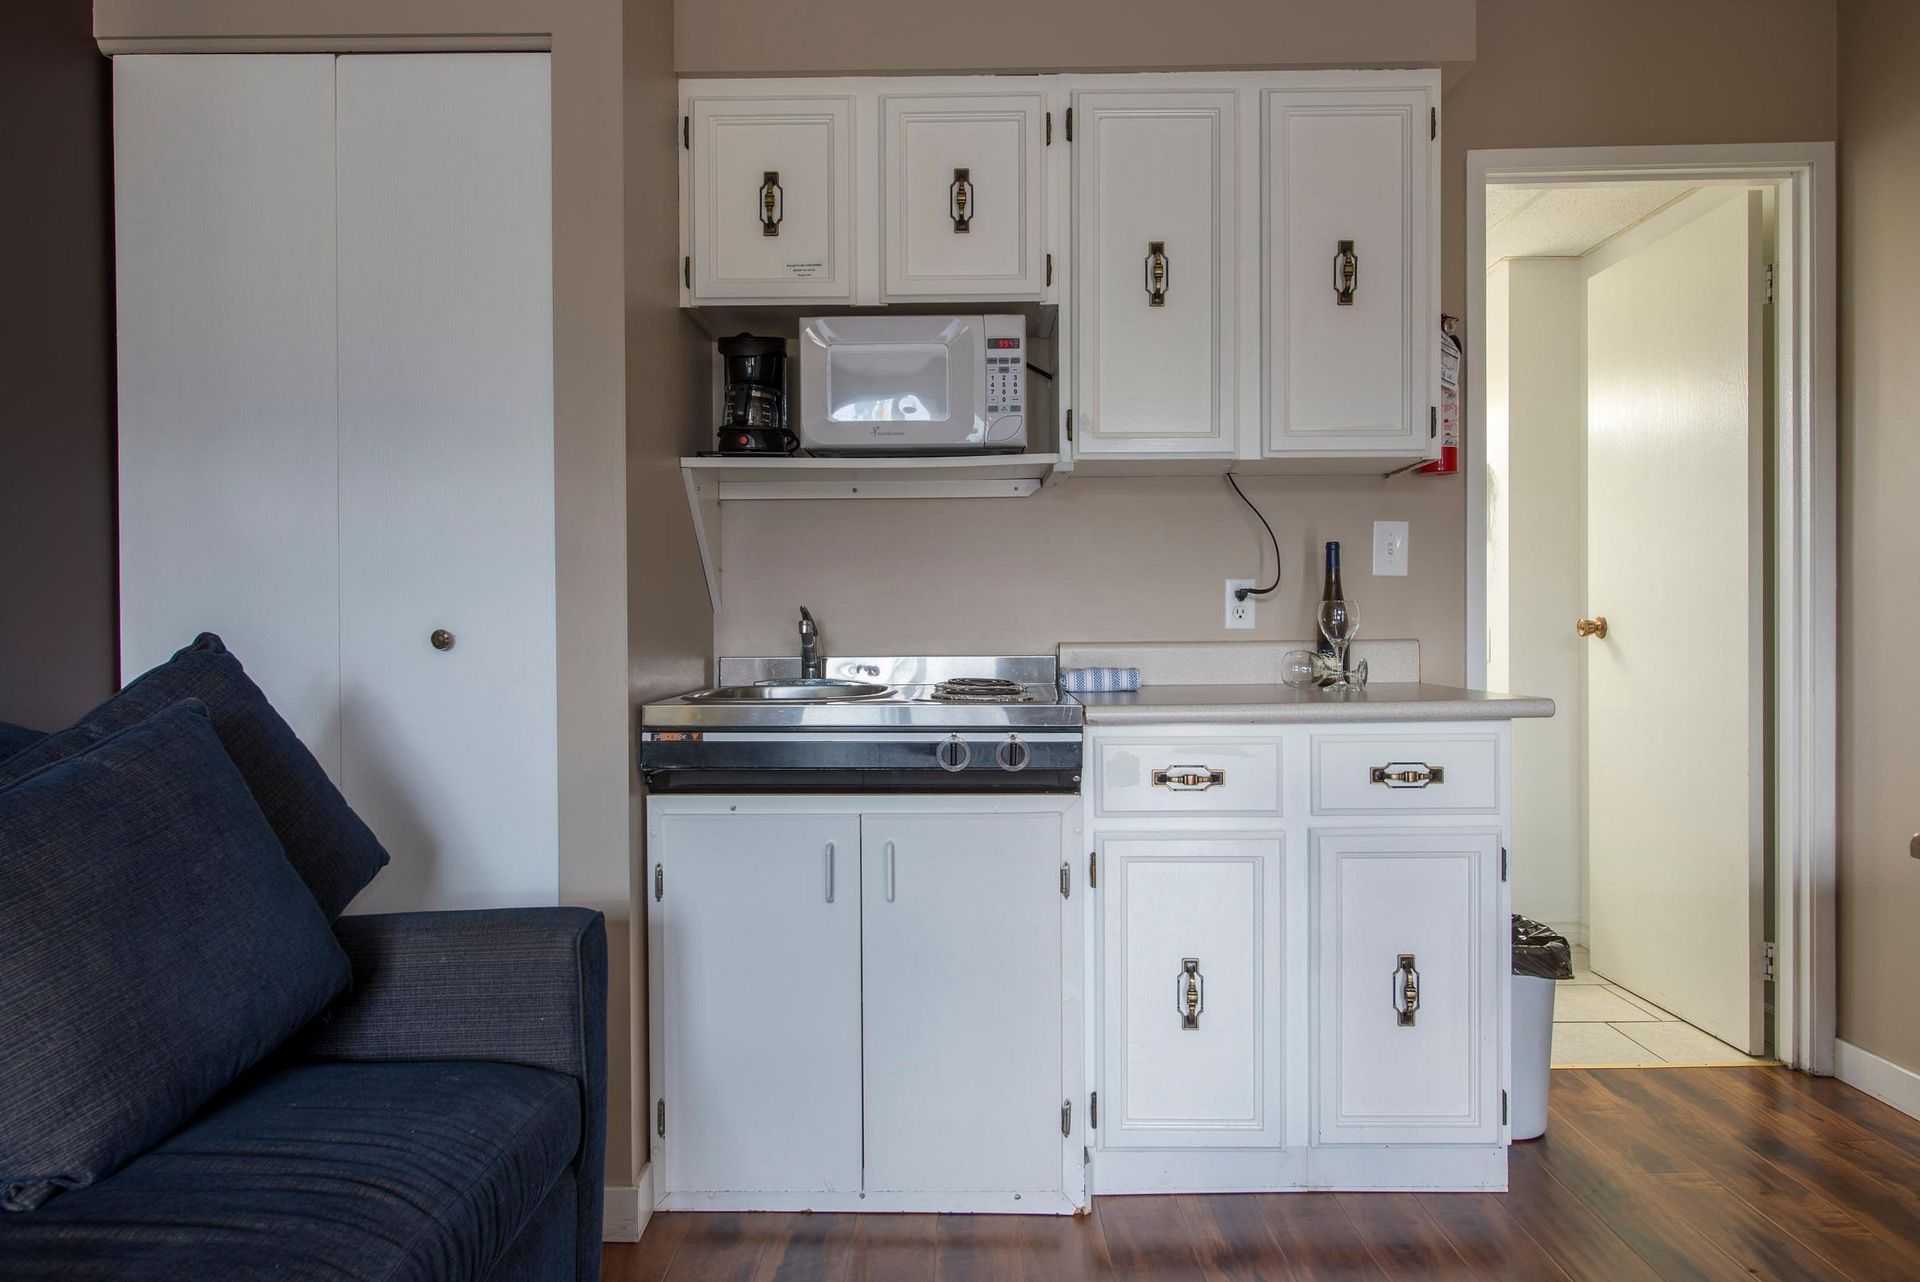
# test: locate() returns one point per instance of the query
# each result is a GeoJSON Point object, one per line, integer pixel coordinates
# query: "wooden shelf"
{"type": "Point", "coordinates": [712, 481]}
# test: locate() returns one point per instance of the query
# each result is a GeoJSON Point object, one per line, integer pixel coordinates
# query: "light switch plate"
{"type": "Point", "coordinates": [1390, 548]}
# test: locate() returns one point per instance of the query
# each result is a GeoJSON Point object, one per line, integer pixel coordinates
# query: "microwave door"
{"type": "Point", "coordinates": [891, 385]}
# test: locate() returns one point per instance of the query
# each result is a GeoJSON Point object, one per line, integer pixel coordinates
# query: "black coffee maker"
{"type": "Point", "coordinates": [755, 396]}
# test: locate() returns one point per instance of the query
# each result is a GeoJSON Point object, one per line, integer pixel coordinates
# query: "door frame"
{"type": "Point", "coordinates": [1805, 505]}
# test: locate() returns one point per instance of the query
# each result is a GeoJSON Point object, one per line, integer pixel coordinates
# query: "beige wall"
{"type": "Point", "coordinates": [1106, 559]}
{"type": "Point", "coordinates": [1879, 467]}
{"type": "Point", "coordinates": [590, 377]}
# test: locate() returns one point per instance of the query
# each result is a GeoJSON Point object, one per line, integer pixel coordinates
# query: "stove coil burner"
{"type": "Point", "coordinates": [981, 690]}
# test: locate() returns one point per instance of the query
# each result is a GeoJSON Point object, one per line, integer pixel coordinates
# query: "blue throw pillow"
{"type": "Point", "coordinates": [157, 944]}
{"type": "Point", "coordinates": [14, 739]}
{"type": "Point", "coordinates": [332, 850]}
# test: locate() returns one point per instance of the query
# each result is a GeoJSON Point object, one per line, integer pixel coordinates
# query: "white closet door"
{"type": "Point", "coordinates": [446, 474]}
{"type": "Point", "coordinates": [223, 229]}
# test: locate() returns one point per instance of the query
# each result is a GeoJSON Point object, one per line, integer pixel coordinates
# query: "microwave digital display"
{"type": "Point", "coordinates": [1003, 344]}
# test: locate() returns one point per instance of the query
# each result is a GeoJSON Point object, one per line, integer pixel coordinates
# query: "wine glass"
{"type": "Point", "coordinates": [1339, 624]}
{"type": "Point", "coordinates": [1307, 669]}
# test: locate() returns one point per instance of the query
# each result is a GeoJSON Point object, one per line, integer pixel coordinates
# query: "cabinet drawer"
{"type": "Point", "coordinates": [1190, 777]}
{"type": "Point", "coordinates": [1400, 774]}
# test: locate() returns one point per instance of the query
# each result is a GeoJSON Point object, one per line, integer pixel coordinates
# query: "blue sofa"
{"type": "Point", "coordinates": [444, 1120]}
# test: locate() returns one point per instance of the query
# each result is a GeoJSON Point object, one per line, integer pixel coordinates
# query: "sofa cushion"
{"type": "Point", "coordinates": [154, 945]}
{"type": "Point", "coordinates": [332, 850]}
{"type": "Point", "coordinates": [372, 1172]}
{"type": "Point", "coordinates": [15, 739]}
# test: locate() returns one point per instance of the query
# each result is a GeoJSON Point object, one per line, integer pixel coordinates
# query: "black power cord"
{"type": "Point", "coordinates": [1241, 594]}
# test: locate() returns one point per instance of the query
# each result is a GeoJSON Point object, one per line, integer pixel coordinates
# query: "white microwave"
{"type": "Point", "coordinates": [913, 384]}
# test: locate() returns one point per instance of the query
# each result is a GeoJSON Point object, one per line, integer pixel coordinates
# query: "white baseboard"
{"type": "Point", "coordinates": [628, 1207]}
{"type": "Point", "coordinates": [1881, 1078]}
{"type": "Point", "coordinates": [1575, 931]}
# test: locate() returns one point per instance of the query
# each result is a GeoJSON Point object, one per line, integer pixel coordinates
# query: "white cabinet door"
{"type": "Point", "coordinates": [224, 259]}
{"type": "Point", "coordinates": [446, 475]}
{"type": "Point", "coordinates": [772, 186]}
{"type": "Point", "coordinates": [758, 921]}
{"type": "Point", "coordinates": [1348, 181]}
{"type": "Point", "coordinates": [963, 1025]}
{"type": "Point", "coordinates": [1398, 909]}
{"type": "Point", "coordinates": [963, 181]}
{"type": "Point", "coordinates": [1155, 186]}
{"type": "Point", "coordinates": [1191, 996]}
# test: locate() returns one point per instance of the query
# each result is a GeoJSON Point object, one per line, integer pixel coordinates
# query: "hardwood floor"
{"type": "Point", "coordinates": [1734, 1173]}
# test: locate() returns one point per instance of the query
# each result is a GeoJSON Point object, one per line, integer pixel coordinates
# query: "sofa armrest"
{"type": "Point", "coordinates": [517, 985]}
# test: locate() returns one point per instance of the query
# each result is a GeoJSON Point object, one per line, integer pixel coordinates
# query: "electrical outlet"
{"type": "Point", "coordinates": [1239, 613]}
{"type": "Point", "coordinates": [1390, 548]}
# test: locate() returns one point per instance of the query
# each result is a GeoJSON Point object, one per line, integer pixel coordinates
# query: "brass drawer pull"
{"type": "Point", "coordinates": [1158, 271]}
{"type": "Point", "coordinates": [1189, 993]}
{"type": "Point", "coordinates": [1189, 778]}
{"type": "Point", "coordinates": [1406, 991]}
{"type": "Point", "coordinates": [773, 203]}
{"type": "Point", "coordinates": [1407, 774]}
{"type": "Point", "coordinates": [960, 201]}
{"type": "Point", "coordinates": [1346, 274]}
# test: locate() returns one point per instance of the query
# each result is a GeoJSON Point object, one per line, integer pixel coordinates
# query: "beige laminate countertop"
{"type": "Point", "coordinates": [1275, 704]}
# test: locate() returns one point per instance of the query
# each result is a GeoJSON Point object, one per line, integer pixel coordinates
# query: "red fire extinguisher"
{"type": "Point", "coordinates": [1451, 353]}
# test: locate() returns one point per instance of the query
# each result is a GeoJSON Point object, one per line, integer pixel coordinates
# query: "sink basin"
{"type": "Point", "coordinates": [810, 690]}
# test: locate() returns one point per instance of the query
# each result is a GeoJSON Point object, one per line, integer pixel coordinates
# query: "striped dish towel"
{"type": "Point", "coordinates": [1099, 680]}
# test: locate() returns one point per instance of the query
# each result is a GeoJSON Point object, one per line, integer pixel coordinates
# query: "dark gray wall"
{"type": "Point", "coordinates": [57, 589]}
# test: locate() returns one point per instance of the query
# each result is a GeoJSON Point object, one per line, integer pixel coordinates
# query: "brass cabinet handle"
{"type": "Point", "coordinates": [1189, 778]}
{"type": "Point", "coordinates": [1158, 271]}
{"type": "Point", "coordinates": [1407, 774]}
{"type": "Point", "coordinates": [1346, 274]}
{"type": "Point", "coordinates": [1406, 991]}
{"type": "Point", "coordinates": [440, 639]}
{"type": "Point", "coordinates": [773, 203]}
{"type": "Point", "coordinates": [960, 201]}
{"type": "Point", "coordinates": [1189, 993]}
{"type": "Point", "coordinates": [1594, 627]}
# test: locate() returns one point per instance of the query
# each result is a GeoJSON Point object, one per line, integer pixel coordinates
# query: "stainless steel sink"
{"type": "Point", "coordinates": [810, 690]}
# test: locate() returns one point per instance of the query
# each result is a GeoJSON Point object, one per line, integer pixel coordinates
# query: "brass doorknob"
{"type": "Point", "coordinates": [1596, 627]}
{"type": "Point", "coordinates": [441, 639]}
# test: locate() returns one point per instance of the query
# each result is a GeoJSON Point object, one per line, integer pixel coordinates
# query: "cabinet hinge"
{"type": "Point", "coordinates": [686, 271]}
{"type": "Point", "coordinates": [1066, 1118]}
{"type": "Point", "coordinates": [1433, 421]}
{"type": "Point", "coordinates": [1093, 1111]}
{"type": "Point", "coordinates": [1049, 141]}
{"type": "Point", "coordinates": [1049, 269]}
{"type": "Point", "coordinates": [1503, 863]}
{"type": "Point", "coordinates": [1093, 869]}
{"type": "Point", "coordinates": [686, 133]}
{"type": "Point", "coordinates": [1769, 959]}
{"type": "Point", "coordinates": [659, 881]}
{"type": "Point", "coordinates": [1433, 123]}
{"type": "Point", "coordinates": [1066, 881]}
{"type": "Point", "coordinates": [660, 1119]}
{"type": "Point", "coordinates": [1069, 124]}
{"type": "Point", "coordinates": [1503, 1108]}
{"type": "Point", "coordinates": [1769, 284]}
{"type": "Point", "coordinates": [1069, 425]}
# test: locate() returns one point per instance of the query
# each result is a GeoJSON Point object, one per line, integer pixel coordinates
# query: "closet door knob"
{"type": "Point", "coordinates": [441, 639]}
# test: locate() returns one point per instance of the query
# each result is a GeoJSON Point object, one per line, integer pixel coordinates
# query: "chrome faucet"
{"type": "Point", "coordinates": [812, 666]}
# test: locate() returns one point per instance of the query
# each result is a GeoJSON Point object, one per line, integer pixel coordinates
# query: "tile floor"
{"type": "Point", "coordinates": [1599, 1024]}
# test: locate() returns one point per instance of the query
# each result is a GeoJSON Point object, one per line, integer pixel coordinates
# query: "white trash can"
{"type": "Point", "coordinates": [1540, 959]}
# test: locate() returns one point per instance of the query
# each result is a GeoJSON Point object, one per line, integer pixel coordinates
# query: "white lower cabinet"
{"type": "Point", "coordinates": [1192, 1012]}
{"type": "Point", "coordinates": [866, 1009]}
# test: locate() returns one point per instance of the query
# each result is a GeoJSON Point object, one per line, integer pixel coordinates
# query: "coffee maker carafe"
{"type": "Point", "coordinates": [754, 420]}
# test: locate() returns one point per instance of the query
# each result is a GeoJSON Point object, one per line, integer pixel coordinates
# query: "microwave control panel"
{"type": "Point", "coordinates": [1006, 341]}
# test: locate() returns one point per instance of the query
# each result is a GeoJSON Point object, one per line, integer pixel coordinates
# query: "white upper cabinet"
{"type": "Point", "coordinates": [770, 188]}
{"type": "Point", "coordinates": [1348, 317]}
{"type": "Point", "coordinates": [1156, 263]}
{"type": "Point", "coordinates": [963, 181]}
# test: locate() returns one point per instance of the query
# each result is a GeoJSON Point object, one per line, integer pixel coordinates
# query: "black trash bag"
{"type": "Point", "coordinates": [1539, 952]}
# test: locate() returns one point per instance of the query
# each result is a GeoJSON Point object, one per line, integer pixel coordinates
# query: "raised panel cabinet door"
{"type": "Point", "coordinates": [446, 475]}
{"type": "Point", "coordinates": [772, 198]}
{"type": "Point", "coordinates": [1191, 996]}
{"type": "Point", "coordinates": [963, 181]}
{"type": "Point", "coordinates": [1347, 188]}
{"type": "Point", "coordinates": [1154, 199]}
{"type": "Point", "coordinates": [759, 987]}
{"type": "Point", "coordinates": [1407, 947]}
{"type": "Point", "coordinates": [962, 988]}
{"type": "Point", "coordinates": [224, 273]}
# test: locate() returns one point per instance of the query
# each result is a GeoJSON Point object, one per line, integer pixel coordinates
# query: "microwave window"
{"type": "Point", "coordinates": [887, 382]}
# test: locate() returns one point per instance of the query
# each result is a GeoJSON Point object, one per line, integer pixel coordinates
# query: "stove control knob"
{"type": "Point", "coordinates": [953, 754]}
{"type": "Point", "coordinates": [1013, 755]}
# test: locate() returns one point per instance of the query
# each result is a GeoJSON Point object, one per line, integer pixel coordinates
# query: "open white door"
{"type": "Point", "coordinates": [1675, 555]}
